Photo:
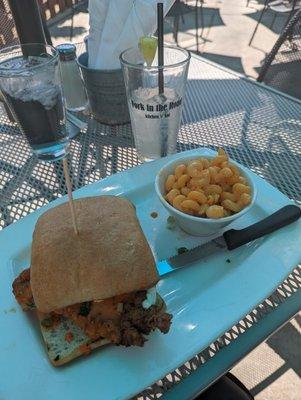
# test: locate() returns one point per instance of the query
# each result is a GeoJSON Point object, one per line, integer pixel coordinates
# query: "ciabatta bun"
{"type": "Point", "coordinates": [110, 256]}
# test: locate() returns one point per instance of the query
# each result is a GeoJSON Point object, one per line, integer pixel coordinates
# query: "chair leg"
{"type": "Point", "coordinates": [265, 7]}
{"type": "Point", "coordinates": [176, 28]}
{"type": "Point", "coordinates": [197, 25]}
{"type": "Point", "coordinates": [291, 13]}
{"type": "Point", "coordinates": [45, 28]}
{"type": "Point", "coordinates": [72, 22]}
{"type": "Point", "coordinates": [202, 18]}
{"type": "Point", "coordinates": [210, 23]}
{"type": "Point", "coordinates": [290, 36]}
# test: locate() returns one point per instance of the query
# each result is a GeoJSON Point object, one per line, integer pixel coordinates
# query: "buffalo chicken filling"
{"type": "Point", "coordinates": [121, 319]}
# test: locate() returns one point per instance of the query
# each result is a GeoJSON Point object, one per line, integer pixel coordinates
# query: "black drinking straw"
{"type": "Point", "coordinates": [160, 47]}
{"type": "Point", "coordinates": [164, 123]}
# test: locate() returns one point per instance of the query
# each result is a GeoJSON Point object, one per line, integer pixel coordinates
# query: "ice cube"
{"type": "Point", "coordinates": [37, 84]}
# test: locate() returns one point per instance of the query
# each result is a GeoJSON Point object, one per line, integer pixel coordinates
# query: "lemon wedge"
{"type": "Point", "coordinates": [148, 47]}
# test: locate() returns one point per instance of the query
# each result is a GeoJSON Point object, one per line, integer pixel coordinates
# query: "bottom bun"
{"type": "Point", "coordinates": [60, 351]}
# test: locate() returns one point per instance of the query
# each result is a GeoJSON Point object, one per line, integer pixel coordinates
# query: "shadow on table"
{"type": "Point", "coordinates": [255, 126]}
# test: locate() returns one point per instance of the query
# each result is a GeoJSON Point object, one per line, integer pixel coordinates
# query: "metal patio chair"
{"type": "Point", "coordinates": [282, 66]}
{"type": "Point", "coordinates": [8, 34]}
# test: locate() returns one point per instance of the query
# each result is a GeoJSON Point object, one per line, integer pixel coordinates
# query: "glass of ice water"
{"type": "Point", "coordinates": [155, 114]}
{"type": "Point", "coordinates": [31, 86]}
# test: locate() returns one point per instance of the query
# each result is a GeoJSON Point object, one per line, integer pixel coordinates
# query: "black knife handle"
{"type": "Point", "coordinates": [285, 216]}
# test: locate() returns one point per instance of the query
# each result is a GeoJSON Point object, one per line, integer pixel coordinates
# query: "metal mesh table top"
{"type": "Point", "coordinates": [258, 127]}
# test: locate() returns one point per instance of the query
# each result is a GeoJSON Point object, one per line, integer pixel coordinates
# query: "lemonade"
{"type": "Point", "coordinates": [155, 122]}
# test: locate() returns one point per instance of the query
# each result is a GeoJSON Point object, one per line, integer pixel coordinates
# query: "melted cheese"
{"type": "Point", "coordinates": [151, 297]}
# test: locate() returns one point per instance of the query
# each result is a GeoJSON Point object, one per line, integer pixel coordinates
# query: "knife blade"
{"type": "Point", "coordinates": [232, 239]}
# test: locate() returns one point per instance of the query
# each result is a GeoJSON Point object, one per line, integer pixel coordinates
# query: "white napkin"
{"type": "Point", "coordinates": [98, 10]}
{"type": "Point", "coordinates": [116, 25]}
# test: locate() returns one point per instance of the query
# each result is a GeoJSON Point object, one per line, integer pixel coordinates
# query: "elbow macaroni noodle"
{"type": "Point", "coordinates": [208, 188]}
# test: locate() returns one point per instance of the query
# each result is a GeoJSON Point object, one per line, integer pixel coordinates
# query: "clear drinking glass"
{"type": "Point", "coordinates": [31, 86]}
{"type": "Point", "coordinates": [155, 112]}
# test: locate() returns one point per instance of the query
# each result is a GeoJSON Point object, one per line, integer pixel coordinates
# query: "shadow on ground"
{"type": "Point", "coordinates": [65, 31]}
{"type": "Point", "coordinates": [273, 21]}
{"type": "Point", "coordinates": [207, 18]}
{"type": "Point", "coordinates": [288, 350]}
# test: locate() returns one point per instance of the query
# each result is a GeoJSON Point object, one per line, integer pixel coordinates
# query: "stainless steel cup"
{"type": "Point", "coordinates": [106, 93]}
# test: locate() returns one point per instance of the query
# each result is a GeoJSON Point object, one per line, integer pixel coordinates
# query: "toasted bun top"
{"type": "Point", "coordinates": [110, 256]}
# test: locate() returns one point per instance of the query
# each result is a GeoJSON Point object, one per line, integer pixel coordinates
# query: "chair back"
{"type": "Point", "coordinates": [51, 8]}
{"type": "Point", "coordinates": [8, 32]}
{"type": "Point", "coordinates": [282, 67]}
{"type": "Point", "coordinates": [48, 8]}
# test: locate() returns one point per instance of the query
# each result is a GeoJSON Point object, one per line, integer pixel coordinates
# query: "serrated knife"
{"type": "Point", "coordinates": [232, 239]}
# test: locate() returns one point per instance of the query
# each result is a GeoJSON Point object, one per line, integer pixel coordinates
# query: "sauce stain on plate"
{"type": "Point", "coordinates": [10, 310]}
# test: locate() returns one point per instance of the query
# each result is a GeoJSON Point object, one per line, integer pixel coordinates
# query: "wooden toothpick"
{"type": "Point", "coordinates": [69, 191]}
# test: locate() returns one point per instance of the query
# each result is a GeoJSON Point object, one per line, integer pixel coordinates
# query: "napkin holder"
{"type": "Point", "coordinates": [106, 93]}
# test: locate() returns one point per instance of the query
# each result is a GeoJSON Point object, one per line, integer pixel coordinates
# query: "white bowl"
{"type": "Point", "coordinates": [198, 226]}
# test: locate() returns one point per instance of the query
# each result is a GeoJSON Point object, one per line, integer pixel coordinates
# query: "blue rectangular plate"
{"type": "Point", "coordinates": [206, 299]}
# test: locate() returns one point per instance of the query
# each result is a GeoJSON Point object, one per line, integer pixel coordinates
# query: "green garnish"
{"type": "Point", "coordinates": [148, 47]}
{"type": "Point", "coordinates": [85, 308]}
{"type": "Point", "coordinates": [47, 322]}
{"type": "Point", "coordinates": [171, 220]}
{"type": "Point", "coordinates": [171, 223]}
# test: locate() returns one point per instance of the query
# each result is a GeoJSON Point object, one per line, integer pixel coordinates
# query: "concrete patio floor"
{"type": "Point", "coordinates": [228, 26]}
{"type": "Point", "coordinates": [272, 371]}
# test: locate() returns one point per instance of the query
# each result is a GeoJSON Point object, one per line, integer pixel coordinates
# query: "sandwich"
{"type": "Point", "coordinates": [94, 288]}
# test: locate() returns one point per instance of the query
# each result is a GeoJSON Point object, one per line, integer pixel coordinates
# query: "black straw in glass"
{"type": "Point", "coordinates": [160, 47]}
